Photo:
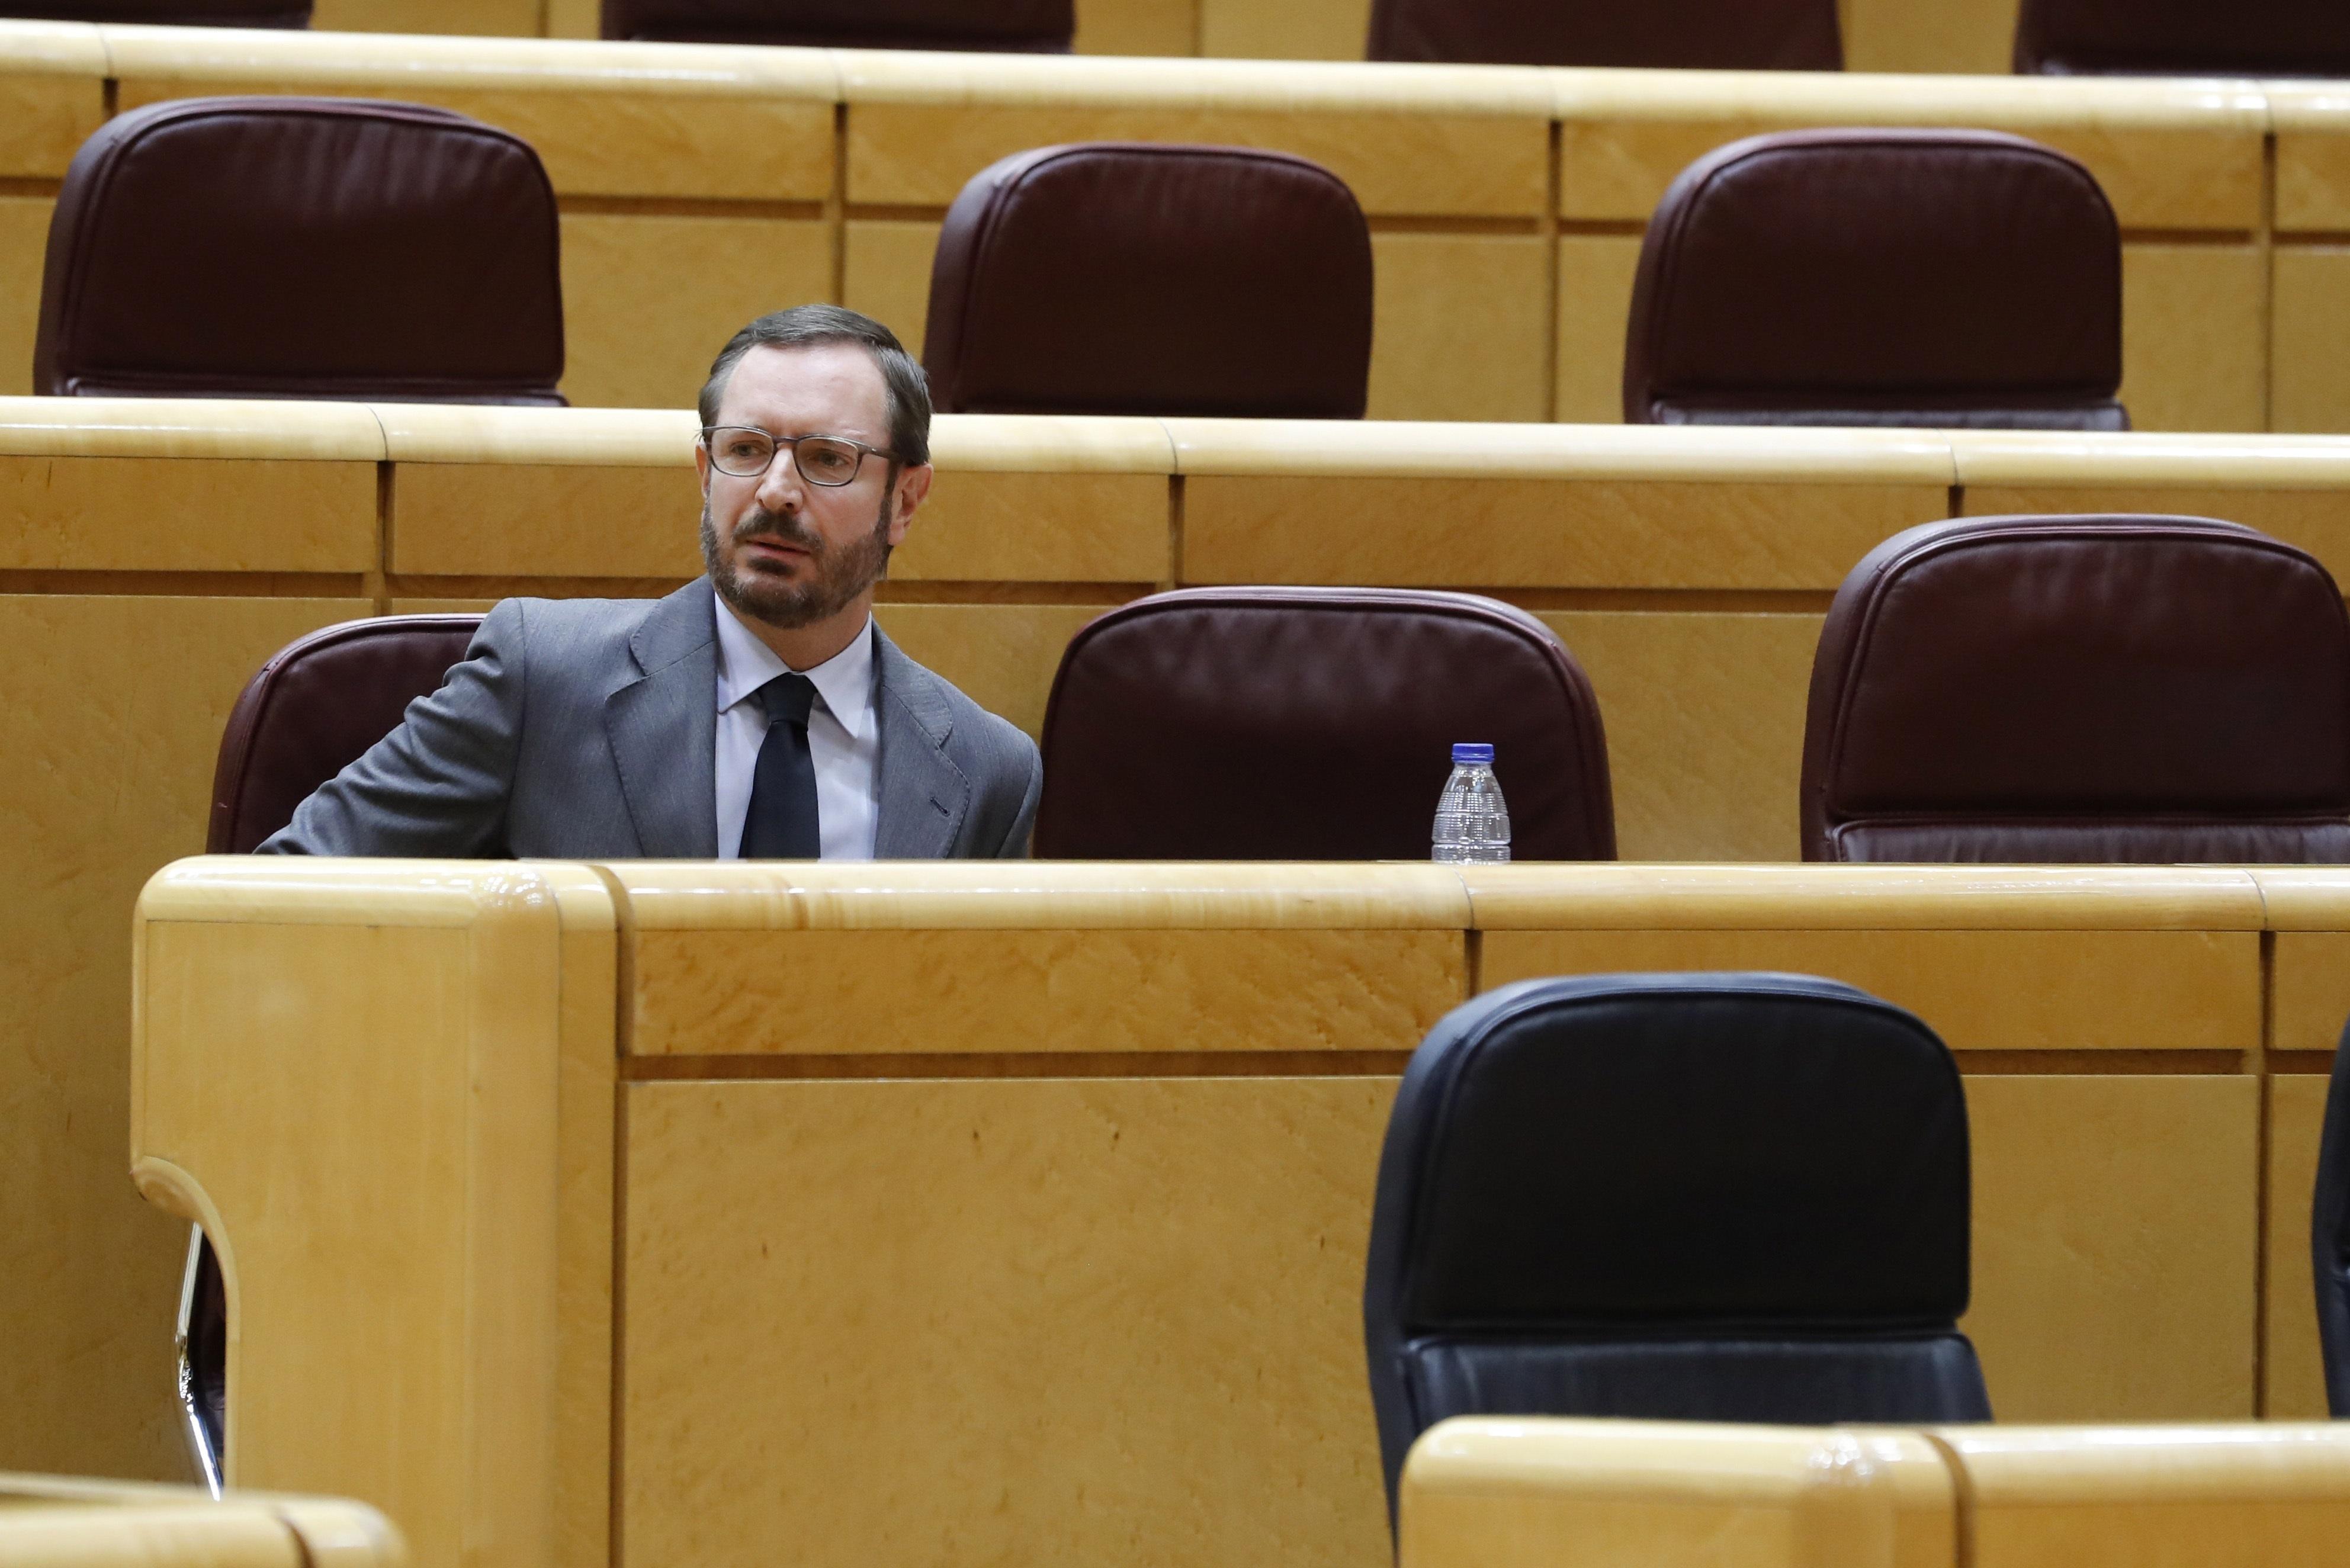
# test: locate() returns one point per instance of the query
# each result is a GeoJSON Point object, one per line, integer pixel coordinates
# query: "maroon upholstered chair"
{"type": "Point", "coordinates": [1032, 27]}
{"type": "Point", "coordinates": [1709, 35]}
{"type": "Point", "coordinates": [313, 709]}
{"type": "Point", "coordinates": [301, 248]}
{"type": "Point", "coordinates": [2081, 689]}
{"type": "Point", "coordinates": [1879, 277]}
{"type": "Point", "coordinates": [2183, 38]}
{"type": "Point", "coordinates": [1313, 725]}
{"type": "Point", "coordinates": [1137, 278]}
{"type": "Point", "coordinates": [170, 13]}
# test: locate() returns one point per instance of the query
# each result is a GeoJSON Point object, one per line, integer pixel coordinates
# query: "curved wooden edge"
{"type": "Point", "coordinates": [2107, 459]}
{"type": "Point", "coordinates": [2011, 103]}
{"type": "Point", "coordinates": [291, 890]}
{"type": "Point", "coordinates": [387, 62]}
{"type": "Point", "coordinates": [53, 48]}
{"type": "Point", "coordinates": [2285, 1461]}
{"type": "Point", "coordinates": [146, 1525]}
{"type": "Point", "coordinates": [190, 426]}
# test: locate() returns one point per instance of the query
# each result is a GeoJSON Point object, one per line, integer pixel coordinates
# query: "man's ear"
{"type": "Point", "coordinates": [701, 464]}
{"type": "Point", "coordinates": [913, 487]}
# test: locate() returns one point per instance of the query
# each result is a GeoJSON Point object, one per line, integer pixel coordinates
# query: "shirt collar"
{"type": "Point", "coordinates": [844, 681]}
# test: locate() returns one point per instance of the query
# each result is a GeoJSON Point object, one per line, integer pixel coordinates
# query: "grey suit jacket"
{"type": "Point", "coordinates": [587, 729]}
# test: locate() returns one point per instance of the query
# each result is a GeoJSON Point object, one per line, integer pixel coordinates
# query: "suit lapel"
{"type": "Point", "coordinates": [664, 728]}
{"type": "Point", "coordinates": [924, 796]}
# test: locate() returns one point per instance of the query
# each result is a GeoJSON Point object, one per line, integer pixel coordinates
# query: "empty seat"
{"type": "Point", "coordinates": [2102, 688]}
{"type": "Point", "coordinates": [1313, 725]}
{"type": "Point", "coordinates": [1137, 278]}
{"type": "Point", "coordinates": [1879, 277]}
{"type": "Point", "coordinates": [2183, 38]}
{"type": "Point", "coordinates": [1036, 27]}
{"type": "Point", "coordinates": [1700, 1197]}
{"type": "Point", "coordinates": [310, 711]}
{"type": "Point", "coordinates": [166, 12]}
{"type": "Point", "coordinates": [301, 248]}
{"type": "Point", "coordinates": [1708, 34]}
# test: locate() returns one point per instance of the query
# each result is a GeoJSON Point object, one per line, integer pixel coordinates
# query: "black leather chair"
{"type": "Point", "coordinates": [1699, 1197]}
{"type": "Point", "coordinates": [2329, 1235]}
{"type": "Point", "coordinates": [310, 711]}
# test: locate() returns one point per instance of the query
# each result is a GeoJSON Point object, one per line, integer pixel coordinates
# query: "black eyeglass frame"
{"type": "Point", "coordinates": [778, 444]}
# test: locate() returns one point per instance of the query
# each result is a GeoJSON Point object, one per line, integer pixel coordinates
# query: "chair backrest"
{"type": "Point", "coordinates": [1698, 34]}
{"type": "Point", "coordinates": [166, 12]}
{"type": "Point", "coordinates": [1142, 278]}
{"type": "Point", "coordinates": [316, 708]}
{"type": "Point", "coordinates": [1029, 26]}
{"type": "Point", "coordinates": [1313, 725]}
{"type": "Point", "coordinates": [1879, 277]}
{"type": "Point", "coordinates": [2329, 1235]}
{"type": "Point", "coordinates": [2092, 689]}
{"type": "Point", "coordinates": [301, 248]}
{"type": "Point", "coordinates": [2183, 38]}
{"type": "Point", "coordinates": [1696, 1197]}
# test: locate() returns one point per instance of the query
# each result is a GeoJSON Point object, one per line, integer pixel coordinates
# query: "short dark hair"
{"type": "Point", "coordinates": [905, 391]}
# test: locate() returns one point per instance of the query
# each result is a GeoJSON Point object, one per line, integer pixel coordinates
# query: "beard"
{"type": "Point", "coordinates": [833, 578]}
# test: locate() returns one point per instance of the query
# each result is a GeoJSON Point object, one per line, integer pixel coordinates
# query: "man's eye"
{"type": "Point", "coordinates": [743, 448]}
{"type": "Point", "coordinates": [828, 461]}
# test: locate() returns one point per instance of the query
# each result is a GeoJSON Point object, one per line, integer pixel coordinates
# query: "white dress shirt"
{"type": "Point", "coordinates": [844, 738]}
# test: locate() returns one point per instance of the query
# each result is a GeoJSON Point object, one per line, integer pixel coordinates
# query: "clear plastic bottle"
{"type": "Point", "coordinates": [1473, 824]}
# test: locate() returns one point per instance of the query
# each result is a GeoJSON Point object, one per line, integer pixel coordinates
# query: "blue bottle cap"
{"type": "Point", "coordinates": [1472, 752]}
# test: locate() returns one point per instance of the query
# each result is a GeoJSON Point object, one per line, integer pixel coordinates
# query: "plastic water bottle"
{"type": "Point", "coordinates": [1473, 825]}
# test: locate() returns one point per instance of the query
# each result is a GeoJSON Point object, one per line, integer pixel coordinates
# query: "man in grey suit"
{"type": "Point", "coordinates": [758, 710]}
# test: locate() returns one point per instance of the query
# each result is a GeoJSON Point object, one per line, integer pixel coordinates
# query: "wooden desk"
{"type": "Point", "coordinates": [1016, 1211]}
{"type": "Point", "coordinates": [1565, 1494]}
{"type": "Point", "coordinates": [1506, 202]}
{"type": "Point", "coordinates": [152, 554]}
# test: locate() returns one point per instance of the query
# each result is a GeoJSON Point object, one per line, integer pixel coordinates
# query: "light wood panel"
{"type": "Point", "coordinates": [845, 993]}
{"type": "Point", "coordinates": [2076, 1317]}
{"type": "Point", "coordinates": [1595, 299]}
{"type": "Point", "coordinates": [2293, 1366]}
{"type": "Point", "coordinates": [1968, 35]}
{"type": "Point", "coordinates": [394, 1327]}
{"type": "Point", "coordinates": [1704, 714]}
{"type": "Point", "coordinates": [1458, 325]}
{"type": "Point", "coordinates": [1003, 1284]}
{"type": "Point", "coordinates": [721, 272]}
{"type": "Point", "coordinates": [885, 274]}
{"type": "Point", "coordinates": [1987, 991]}
{"type": "Point", "coordinates": [24, 248]}
{"type": "Point", "coordinates": [2192, 358]}
{"type": "Point", "coordinates": [2312, 338]}
{"type": "Point", "coordinates": [114, 708]}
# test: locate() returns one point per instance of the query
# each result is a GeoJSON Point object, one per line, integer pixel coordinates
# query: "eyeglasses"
{"type": "Point", "coordinates": [746, 453]}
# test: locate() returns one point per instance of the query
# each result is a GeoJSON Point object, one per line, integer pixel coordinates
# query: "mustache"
{"type": "Point", "coordinates": [760, 524]}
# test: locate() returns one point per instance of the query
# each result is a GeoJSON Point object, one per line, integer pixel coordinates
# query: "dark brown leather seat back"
{"type": "Point", "coordinates": [1700, 34]}
{"type": "Point", "coordinates": [316, 708]}
{"type": "Point", "coordinates": [301, 248]}
{"type": "Point", "coordinates": [1879, 277]}
{"type": "Point", "coordinates": [1033, 27]}
{"type": "Point", "coordinates": [2183, 38]}
{"type": "Point", "coordinates": [166, 12]}
{"type": "Point", "coordinates": [1140, 278]}
{"type": "Point", "coordinates": [2081, 689]}
{"type": "Point", "coordinates": [1313, 725]}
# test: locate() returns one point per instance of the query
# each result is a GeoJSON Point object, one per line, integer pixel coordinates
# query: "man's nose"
{"type": "Point", "coordinates": [781, 488]}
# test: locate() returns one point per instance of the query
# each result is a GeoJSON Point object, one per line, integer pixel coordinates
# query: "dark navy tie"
{"type": "Point", "coordinates": [782, 822]}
